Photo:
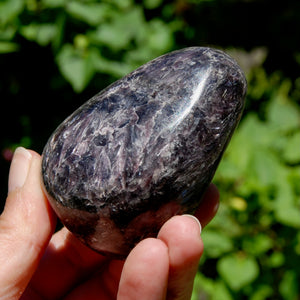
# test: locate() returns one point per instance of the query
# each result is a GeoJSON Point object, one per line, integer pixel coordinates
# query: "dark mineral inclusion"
{"type": "Point", "coordinates": [143, 149]}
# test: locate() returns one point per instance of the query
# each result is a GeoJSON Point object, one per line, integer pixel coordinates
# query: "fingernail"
{"type": "Point", "coordinates": [19, 168]}
{"type": "Point", "coordinates": [193, 217]}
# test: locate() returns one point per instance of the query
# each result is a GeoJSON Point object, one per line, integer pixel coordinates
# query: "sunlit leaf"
{"type": "Point", "coordinates": [54, 3]}
{"type": "Point", "coordinates": [43, 34]}
{"type": "Point", "coordinates": [114, 68]}
{"type": "Point", "coordinates": [6, 47]}
{"type": "Point", "coordinates": [151, 4]}
{"type": "Point", "coordinates": [289, 286]}
{"type": "Point", "coordinates": [264, 167]}
{"type": "Point", "coordinates": [238, 270]}
{"type": "Point", "coordinates": [205, 288]}
{"type": "Point", "coordinates": [286, 203]}
{"type": "Point", "coordinates": [276, 259]}
{"type": "Point", "coordinates": [7, 33]}
{"type": "Point", "coordinates": [121, 30]}
{"type": "Point", "coordinates": [122, 4]}
{"type": "Point", "coordinates": [282, 114]}
{"type": "Point", "coordinates": [291, 152]}
{"type": "Point", "coordinates": [159, 36]}
{"type": "Point", "coordinates": [76, 67]}
{"type": "Point", "coordinates": [91, 13]}
{"type": "Point", "coordinates": [216, 243]}
{"type": "Point", "coordinates": [111, 35]}
{"type": "Point", "coordinates": [9, 9]}
{"type": "Point", "coordinates": [257, 244]}
{"type": "Point", "coordinates": [263, 292]}
{"type": "Point", "coordinates": [287, 206]}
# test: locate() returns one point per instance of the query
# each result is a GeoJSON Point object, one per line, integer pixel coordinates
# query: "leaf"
{"type": "Point", "coordinates": [215, 289]}
{"type": "Point", "coordinates": [9, 9]}
{"type": "Point", "coordinates": [151, 4]}
{"type": "Point", "coordinates": [111, 35]}
{"type": "Point", "coordinates": [216, 243]}
{"type": "Point", "coordinates": [7, 47]}
{"type": "Point", "coordinates": [258, 244]}
{"type": "Point", "coordinates": [283, 115]}
{"type": "Point", "coordinates": [7, 33]}
{"type": "Point", "coordinates": [54, 3]}
{"type": "Point", "coordinates": [251, 134]}
{"type": "Point", "coordinates": [43, 34]}
{"type": "Point", "coordinates": [159, 36]}
{"type": "Point", "coordinates": [114, 68]}
{"type": "Point", "coordinates": [220, 292]}
{"type": "Point", "coordinates": [202, 287]}
{"type": "Point", "coordinates": [287, 205]}
{"type": "Point", "coordinates": [289, 286]}
{"type": "Point", "coordinates": [122, 4]}
{"type": "Point", "coordinates": [276, 259]}
{"type": "Point", "coordinates": [76, 67]}
{"type": "Point", "coordinates": [121, 30]}
{"type": "Point", "coordinates": [264, 168]}
{"type": "Point", "coordinates": [254, 132]}
{"type": "Point", "coordinates": [263, 292]}
{"type": "Point", "coordinates": [91, 13]}
{"type": "Point", "coordinates": [237, 270]}
{"type": "Point", "coordinates": [291, 152]}
{"type": "Point", "coordinates": [139, 55]}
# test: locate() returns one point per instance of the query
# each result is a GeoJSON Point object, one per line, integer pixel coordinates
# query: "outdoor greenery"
{"type": "Point", "coordinates": [253, 245]}
{"type": "Point", "coordinates": [55, 54]}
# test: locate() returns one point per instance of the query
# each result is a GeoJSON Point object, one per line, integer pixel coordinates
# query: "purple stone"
{"type": "Point", "coordinates": [143, 149]}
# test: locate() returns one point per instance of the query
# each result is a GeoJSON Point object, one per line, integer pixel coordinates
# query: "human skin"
{"type": "Point", "coordinates": [37, 263]}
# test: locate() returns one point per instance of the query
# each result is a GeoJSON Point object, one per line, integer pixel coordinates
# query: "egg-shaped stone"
{"type": "Point", "coordinates": [143, 149]}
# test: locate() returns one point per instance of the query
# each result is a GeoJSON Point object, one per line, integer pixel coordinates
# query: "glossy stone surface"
{"type": "Point", "coordinates": [143, 149]}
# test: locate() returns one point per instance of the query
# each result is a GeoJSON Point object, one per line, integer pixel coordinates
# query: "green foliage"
{"type": "Point", "coordinates": [253, 243]}
{"type": "Point", "coordinates": [243, 270]}
{"type": "Point", "coordinates": [114, 36]}
{"type": "Point", "coordinates": [252, 247]}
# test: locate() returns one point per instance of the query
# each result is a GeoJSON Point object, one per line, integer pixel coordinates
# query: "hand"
{"type": "Point", "coordinates": [37, 264]}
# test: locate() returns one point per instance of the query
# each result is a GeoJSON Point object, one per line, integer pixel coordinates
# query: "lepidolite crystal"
{"type": "Point", "coordinates": [144, 149]}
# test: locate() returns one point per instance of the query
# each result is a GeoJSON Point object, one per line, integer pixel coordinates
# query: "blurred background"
{"type": "Point", "coordinates": [56, 54]}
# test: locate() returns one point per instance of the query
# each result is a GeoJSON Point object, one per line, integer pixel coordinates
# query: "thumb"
{"type": "Point", "coordinates": [26, 224]}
